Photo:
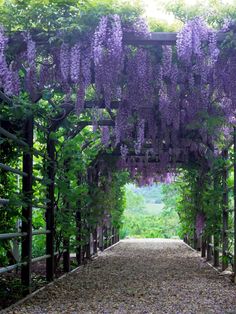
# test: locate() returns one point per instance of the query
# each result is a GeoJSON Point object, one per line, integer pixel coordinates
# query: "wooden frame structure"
{"type": "Point", "coordinates": [102, 237]}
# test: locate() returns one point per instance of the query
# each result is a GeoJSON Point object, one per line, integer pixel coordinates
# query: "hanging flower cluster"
{"type": "Point", "coordinates": [9, 79]}
{"type": "Point", "coordinates": [105, 136]}
{"type": "Point", "coordinates": [165, 97]}
{"type": "Point", "coordinates": [108, 57]}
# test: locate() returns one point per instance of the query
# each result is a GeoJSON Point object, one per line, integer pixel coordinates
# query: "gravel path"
{"type": "Point", "coordinates": [138, 276]}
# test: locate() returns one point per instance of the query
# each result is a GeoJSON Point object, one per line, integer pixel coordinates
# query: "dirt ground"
{"type": "Point", "coordinates": [138, 276]}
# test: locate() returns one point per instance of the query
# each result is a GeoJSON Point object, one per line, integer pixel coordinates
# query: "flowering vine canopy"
{"type": "Point", "coordinates": [171, 104]}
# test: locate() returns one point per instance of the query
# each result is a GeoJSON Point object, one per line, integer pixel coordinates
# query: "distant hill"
{"type": "Point", "coordinates": [145, 215]}
{"type": "Point", "coordinates": [151, 194]}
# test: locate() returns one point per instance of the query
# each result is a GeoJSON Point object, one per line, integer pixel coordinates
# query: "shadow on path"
{"type": "Point", "coordinates": [138, 276]}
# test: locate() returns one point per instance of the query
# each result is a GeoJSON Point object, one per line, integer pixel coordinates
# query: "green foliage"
{"type": "Point", "coordinates": [54, 15]}
{"type": "Point", "coordinates": [134, 201]}
{"type": "Point", "coordinates": [213, 11]}
{"type": "Point", "coordinates": [109, 196]}
{"type": "Point", "coordinates": [164, 225]}
{"type": "Point", "coordinates": [75, 152]}
{"type": "Point", "coordinates": [38, 245]}
{"type": "Point", "coordinates": [141, 221]}
{"type": "Point", "coordinates": [197, 190]}
{"type": "Point", "coordinates": [151, 194]}
{"type": "Point", "coordinates": [162, 26]}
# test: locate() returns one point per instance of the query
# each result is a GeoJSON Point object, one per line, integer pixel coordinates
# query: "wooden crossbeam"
{"type": "Point", "coordinates": [155, 38]}
{"type": "Point", "coordinates": [12, 137]}
{"type": "Point", "coordinates": [101, 104]}
{"type": "Point", "coordinates": [161, 38]}
{"type": "Point", "coordinates": [100, 123]}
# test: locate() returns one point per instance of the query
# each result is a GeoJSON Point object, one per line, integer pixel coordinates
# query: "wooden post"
{"type": "Point", "coordinates": [66, 255]}
{"type": "Point", "coordinates": [225, 215]}
{"type": "Point", "coordinates": [203, 248]}
{"type": "Point", "coordinates": [105, 237]}
{"type": "Point", "coordinates": [50, 219]}
{"type": "Point", "coordinates": [101, 243]}
{"type": "Point", "coordinates": [78, 237]}
{"type": "Point", "coordinates": [216, 251]}
{"type": "Point", "coordinates": [195, 239]}
{"type": "Point", "coordinates": [234, 204]}
{"type": "Point", "coordinates": [88, 248]}
{"type": "Point", "coordinates": [26, 253]}
{"type": "Point", "coordinates": [95, 241]}
{"type": "Point", "coordinates": [113, 235]}
{"type": "Point", "coordinates": [78, 219]}
{"type": "Point", "coordinates": [216, 235]}
{"type": "Point", "coordinates": [209, 248]}
{"type": "Point", "coordinates": [66, 238]}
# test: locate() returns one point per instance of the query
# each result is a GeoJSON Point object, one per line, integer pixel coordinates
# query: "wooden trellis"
{"type": "Point", "coordinates": [100, 235]}
{"type": "Point", "coordinates": [27, 232]}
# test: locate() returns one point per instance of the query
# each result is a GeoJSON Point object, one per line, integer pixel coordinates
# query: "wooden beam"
{"type": "Point", "coordinates": [225, 213]}
{"type": "Point", "coordinates": [101, 104]}
{"type": "Point", "coordinates": [4, 202]}
{"type": "Point", "coordinates": [66, 207]}
{"type": "Point", "coordinates": [209, 248]}
{"type": "Point", "coordinates": [12, 137]}
{"type": "Point", "coordinates": [160, 38]}
{"type": "Point", "coordinates": [78, 218]}
{"type": "Point", "coordinates": [203, 246]}
{"type": "Point", "coordinates": [100, 123]}
{"type": "Point", "coordinates": [5, 98]}
{"type": "Point", "coordinates": [57, 121]}
{"type": "Point", "coordinates": [155, 38]}
{"type": "Point", "coordinates": [5, 236]}
{"type": "Point", "coordinates": [27, 189]}
{"type": "Point", "coordinates": [16, 171]}
{"type": "Point", "coordinates": [82, 124]}
{"type": "Point", "coordinates": [216, 235]}
{"type": "Point", "coordinates": [50, 210]}
{"type": "Point", "coordinates": [234, 205]}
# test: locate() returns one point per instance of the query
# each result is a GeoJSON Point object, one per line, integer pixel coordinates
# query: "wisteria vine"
{"type": "Point", "coordinates": [166, 97]}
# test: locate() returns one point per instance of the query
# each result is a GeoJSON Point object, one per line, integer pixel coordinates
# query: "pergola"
{"type": "Point", "coordinates": [26, 144]}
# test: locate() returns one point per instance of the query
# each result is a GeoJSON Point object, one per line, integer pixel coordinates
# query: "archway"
{"type": "Point", "coordinates": [171, 107]}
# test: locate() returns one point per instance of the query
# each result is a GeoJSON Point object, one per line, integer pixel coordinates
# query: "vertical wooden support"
{"type": "Point", "coordinates": [50, 223]}
{"type": "Point", "coordinates": [88, 247]}
{"type": "Point", "coordinates": [113, 235]}
{"type": "Point", "coordinates": [118, 235]}
{"type": "Point", "coordinates": [234, 204]}
{"type": "Point", "coordinates": [66, 238]}
{"type": "Point", "coordinates": [66, 255]}
{"type": "Point", "coordinates": [216, 262]}
{"type": "Point", "coordinates": [216, 235]}
{"type": "Point", "coordinates": [26, 253]}
{"type": "Point", "coordinates": [78, 237]}
{"type": "Point", "coordinates": [95, 241]}
{"type": "Point", "coordinates": [108, 235]}
{"type": "Point", "coordinates": [209, 249]}
{"type": "Point", "coordinates": [101, 245]}
{"type": "Point", "coordinates": [203, 248]}
{"type": "Point", "coordinates": [225, 215]}
{"type": "Point", "coordinates": [90, 177]}
{"type": "Point", "coordinates": [78, 219]}
{"type": "Point", "coordinates": [105, 237]}
{"type": "Point", "coordinates": [194, 239]}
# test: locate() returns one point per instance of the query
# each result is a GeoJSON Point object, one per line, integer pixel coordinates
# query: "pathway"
{"type": "Point", "coordinates": [138, 276]}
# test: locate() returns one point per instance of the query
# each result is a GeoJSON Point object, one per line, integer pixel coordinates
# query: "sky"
{"type": "Point", "coordinates": [154, 8]}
